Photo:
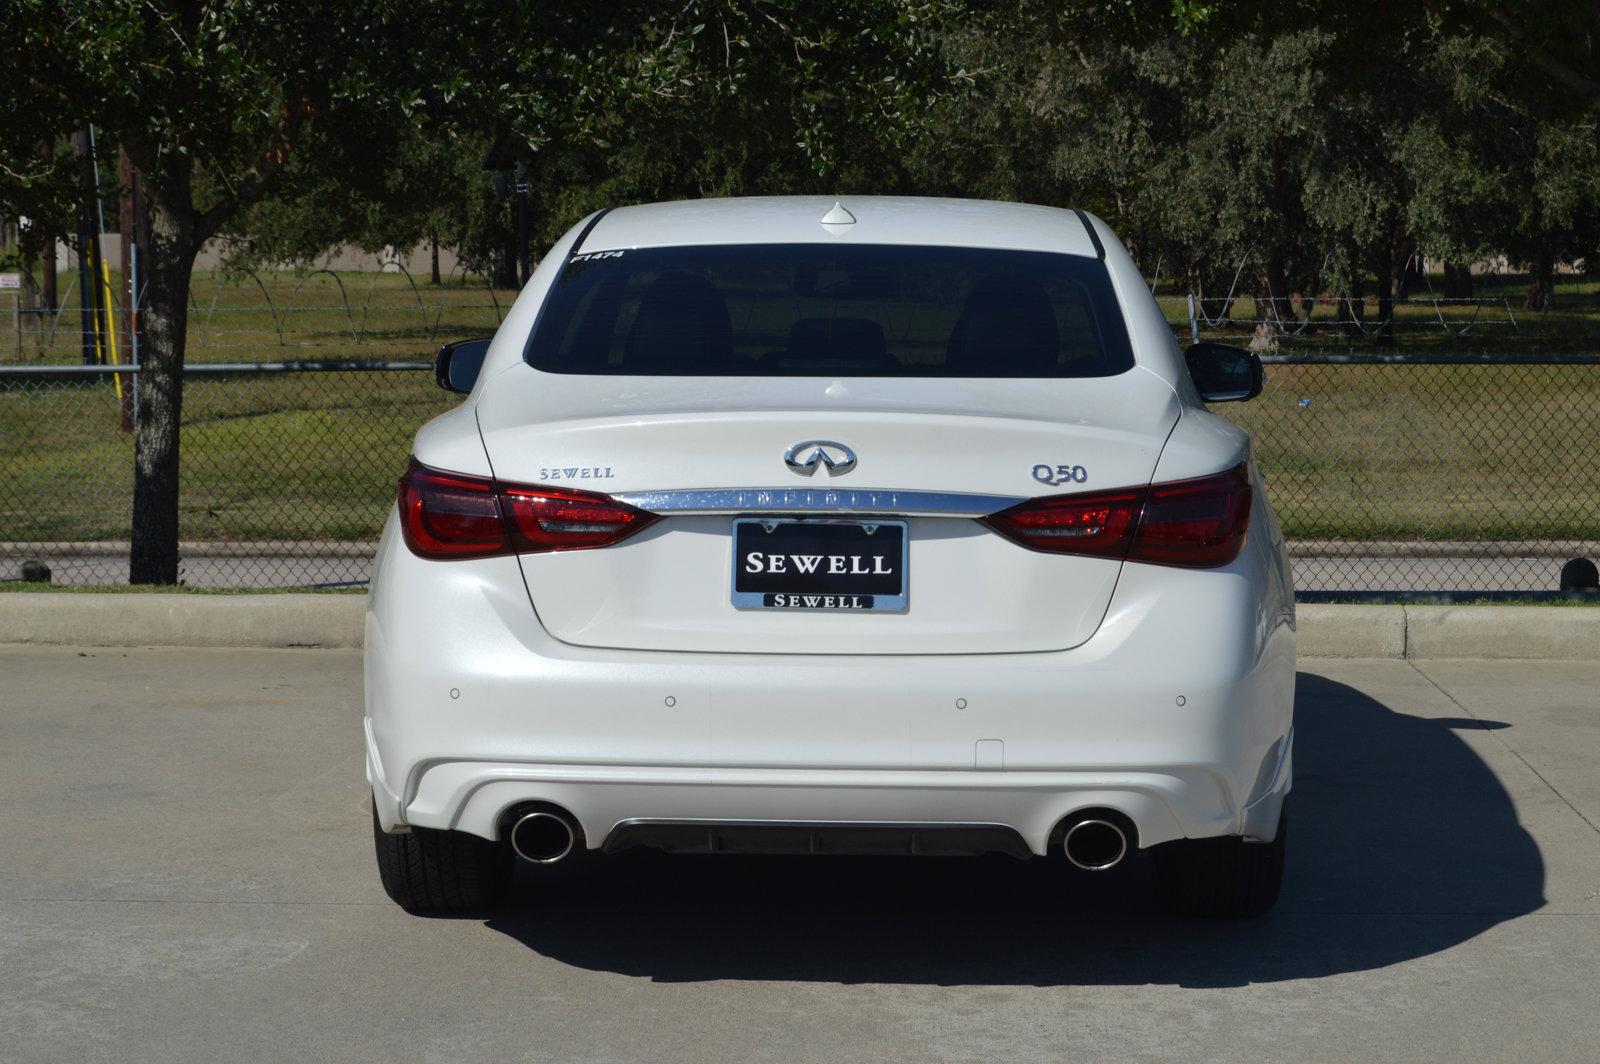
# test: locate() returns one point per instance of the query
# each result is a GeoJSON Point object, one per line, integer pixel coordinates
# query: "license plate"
{"type": "Point", "coordinates": [819, 565]}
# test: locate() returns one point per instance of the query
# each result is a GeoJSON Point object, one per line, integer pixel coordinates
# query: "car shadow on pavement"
{"type": "Point", "coordinates": [1404, 843]}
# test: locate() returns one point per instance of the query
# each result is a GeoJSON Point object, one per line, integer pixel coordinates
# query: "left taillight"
{"type": "Point", "coordinates": [453, 515]}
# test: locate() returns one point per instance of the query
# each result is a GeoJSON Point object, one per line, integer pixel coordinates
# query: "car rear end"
{"type": "Point", "coordinates": [762, 533]}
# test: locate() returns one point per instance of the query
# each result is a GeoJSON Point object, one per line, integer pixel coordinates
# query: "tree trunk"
{"type": "Point", "coordinates": [1457, 281]}
{"type": "Point", "coordinates": [1271, 300]}
{"type": "Point", "coordinates": [1383, 335]}
{"type": "Point", "coordinates": [1543, 282]}
{"type": "Point", "coordinates": [503, 272]}
{"type": "Point", "coordinates": [433, 258]}
{"type": "Point", "coordinates": [165, 319]}
{"type": "Point", "coordinates": [1355, 305]}
{"type": "Point", "coordinates": [47, 285]}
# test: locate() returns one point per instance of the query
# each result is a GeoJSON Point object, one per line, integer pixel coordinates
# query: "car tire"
{"type": "Point", "coordinates": [1224, 877]}
{"type": "Point", "coordinates": [440, 872]}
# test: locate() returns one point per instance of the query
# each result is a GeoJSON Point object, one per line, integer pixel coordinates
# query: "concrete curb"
{"type": "Point", "coordinates": [1350, 631]}
{"type": "Point", "coordinates": [158, 620]}
{"type": "Point", "coordinates": [1551, 633]}
{"type": "Point", "coordinates": [1563, 633]}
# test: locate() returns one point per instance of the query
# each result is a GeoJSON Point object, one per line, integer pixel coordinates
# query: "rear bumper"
{"type": "Point", "coordinates": [472, 796]}
{"type": "Point", "coordinates": [1177, 713]}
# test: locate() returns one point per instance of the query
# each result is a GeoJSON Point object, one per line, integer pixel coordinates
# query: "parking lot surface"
{"type": "Point", "coordinates": [186, 874]}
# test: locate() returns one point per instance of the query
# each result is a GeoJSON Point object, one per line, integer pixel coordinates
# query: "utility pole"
{"type": "Point", "coordinates": [522, 222]}
{"type": "Point", "coordinates": [86, 241]}
{"type": "Point", "coordinates": [135, 226]}
{"type": "Point", "coordinates": [509, 172]}
{"type": "Point", "coordinates": [47, 154]}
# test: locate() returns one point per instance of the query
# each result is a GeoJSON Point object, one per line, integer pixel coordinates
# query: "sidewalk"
{"type": "Point", "coordinates": [1319, 565]}
{"type": "Point", "coordinates": [1570, 633]}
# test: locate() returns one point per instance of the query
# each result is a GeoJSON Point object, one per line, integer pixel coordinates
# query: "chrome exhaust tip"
{"type": "Point", "coordinates": [541, 837]}
{"type": "Point", "coordinates": [1095, 845]}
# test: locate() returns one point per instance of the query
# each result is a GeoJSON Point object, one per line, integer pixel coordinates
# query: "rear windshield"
{"type": "Point", "coordinates": [820, 310]}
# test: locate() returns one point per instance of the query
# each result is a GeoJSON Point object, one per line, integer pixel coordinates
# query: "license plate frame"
{"type": "Point", "coordinates": [761, 598]}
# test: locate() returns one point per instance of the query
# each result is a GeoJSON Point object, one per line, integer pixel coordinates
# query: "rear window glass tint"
{"type": "Point", "coordinates": [829, 310]}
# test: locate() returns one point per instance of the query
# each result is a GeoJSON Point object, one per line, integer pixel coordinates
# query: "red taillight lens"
{"type": "Point", "coordinates": [1199, 523]}
{"type": "Point", "coordinates": [1100, 524]}
{"type": "Point", "coordinates": [1196, 523]}
{"type": "Point", "coordinates": [452, 515]}
{"type": "Point", "coordinates": [544, 519]}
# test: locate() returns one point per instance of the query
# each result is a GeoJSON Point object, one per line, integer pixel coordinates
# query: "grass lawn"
{"type": "Point", "coordinates": [292, 456]}
{"type": "Point", "coordinates": [1429, 452]}
{"type": "Point", "coordinates": [287, 316]}
{"type": "Point", "coordinates": [1494, 321]}
{"type": "Point", "coordinates": [1350, 452]}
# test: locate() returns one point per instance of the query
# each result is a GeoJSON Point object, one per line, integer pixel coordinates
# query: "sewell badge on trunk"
{"type": "Point", "coordinates": [782, 563]}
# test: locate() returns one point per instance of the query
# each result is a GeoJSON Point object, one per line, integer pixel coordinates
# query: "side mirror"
{"type": "Point", "coordinates": [1224, 374]}
{"type": "Point", "coordinates": [456, 367]}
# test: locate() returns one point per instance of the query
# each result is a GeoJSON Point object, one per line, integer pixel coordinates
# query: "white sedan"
{"type": "Point", "coordinates": [799, 526]}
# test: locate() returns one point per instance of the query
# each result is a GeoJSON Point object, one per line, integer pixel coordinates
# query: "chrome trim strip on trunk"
{"type": "Point", "coordinates": [817, 500]}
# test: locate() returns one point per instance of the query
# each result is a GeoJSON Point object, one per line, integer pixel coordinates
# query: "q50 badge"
{"type": "Point", "coordinates": [1057, 475]}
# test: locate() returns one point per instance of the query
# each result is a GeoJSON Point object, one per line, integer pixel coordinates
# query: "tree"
{"type": "Point", "coordinates": [1512, 166]}
{"type": "Point", "coordinates": [211, 101]}
{"type": "Point", "coordinates": [776, 98]}
{"type": "Point", "coordinates": [1555, 44]}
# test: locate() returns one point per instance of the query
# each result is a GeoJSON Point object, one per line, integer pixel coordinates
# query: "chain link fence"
{"type": "Point", "coordinates": [1430, 473]}
{"type": "Point", "coordinates": [1440, 475]}
{"type": "Point", "coordinates": [1433, 471]}
{"type": "Point", "coordinates": [287, 471]}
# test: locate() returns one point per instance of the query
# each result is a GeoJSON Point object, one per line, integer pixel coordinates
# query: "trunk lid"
{"type": "Point", "coordinates": [968, 589]}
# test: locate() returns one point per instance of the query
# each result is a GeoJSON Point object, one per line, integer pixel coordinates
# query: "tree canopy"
{"type": "Point", "coordinates": [340, 111]}
{"type": "Point", "coordinates": [1295, 148]}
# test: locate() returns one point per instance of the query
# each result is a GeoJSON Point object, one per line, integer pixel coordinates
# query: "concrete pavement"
{"type": "Point", "coordinates": [186, 875]}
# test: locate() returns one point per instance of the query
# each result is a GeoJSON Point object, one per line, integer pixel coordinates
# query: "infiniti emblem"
{"type": "Point", "coordinates": [806, 456]}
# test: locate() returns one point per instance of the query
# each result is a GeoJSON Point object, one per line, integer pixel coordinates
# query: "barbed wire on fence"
{"type": "Point", "coordinates": [373, 284]}
{"type": "Point", "coordinates": [1451, 316]}
{"type": "Point", "coordinates": [344, 299]}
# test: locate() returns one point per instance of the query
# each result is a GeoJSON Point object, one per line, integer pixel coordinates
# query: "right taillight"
{"type": "Point", "coordinates": [1197, 523]}
{"type": "Point", "coordinates": [454, 515]}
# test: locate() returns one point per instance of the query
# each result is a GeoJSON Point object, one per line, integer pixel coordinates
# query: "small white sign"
{"type": "Point", "coordinates": [10, 280]}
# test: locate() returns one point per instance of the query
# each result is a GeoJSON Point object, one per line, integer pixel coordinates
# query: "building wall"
{"type": "Point", "coordinates": [345, 258]}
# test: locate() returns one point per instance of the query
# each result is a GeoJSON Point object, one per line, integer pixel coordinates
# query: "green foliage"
{"type": "Point", "coordinates": [344, 113]}
{"type": "Point", "coordinates": [1317, 144]}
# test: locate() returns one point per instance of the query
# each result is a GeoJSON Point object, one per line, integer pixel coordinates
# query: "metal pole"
{"type": "Point", "coordinates": [91, 187]}
{"type": "Point", "coordinates": [80, 148]}
{"type": "Point", "coordinates": [139, 241]}
{"type": "Point", "coordinates": [103, 275]}
{"type": "Point", "coordinates": [125, 291]}
{"type": "Point", "coordinates": [522, 221]}
{"type": "Point", "coordinates": [133, 324]}
{"type": "Point", "coordinates": [1194, 322]}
